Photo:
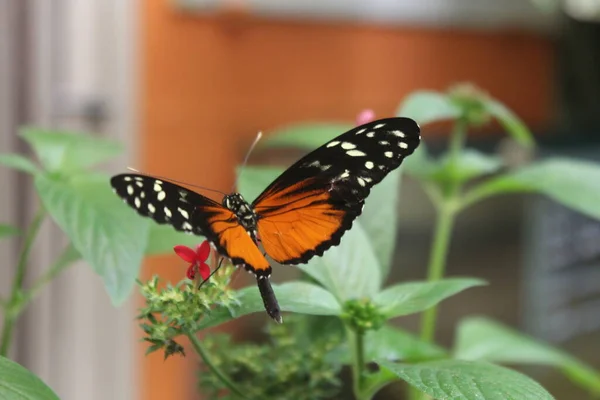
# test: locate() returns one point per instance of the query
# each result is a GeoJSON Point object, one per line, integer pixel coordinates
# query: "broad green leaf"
{"type": "Point", "coordinates": [69, 152]}
{"type": "Point", "coordinates": [485, 340]}
{"type": "Point", "coordinates": [162, 239]}
{"type": "Point", "coordinates": [17, 383]}
{"type": "Point", "coordinates": [513, 125]}
{"type": "Point", "coordinates": [255, 179]}
{"type": "Point", "coordinates": [8, 230]}
{"type": "Point", "coordinates": [412, 297]}
{"type": "Point", "coordinates": [18, 162]}
{"type": "Point", "coordinates": [470, 164]}
{"type": "Point", "coordinates": [379, 220]}
{"type": "Point", "coordinates": [428, 106]}
{"type": "Point", "coordinates": [393, 344]}
{"type": "Point", "coordinates": [571, 182]}
{"type": "Point", "coordinates": [298, 297]}
{"type": "Point", "coordinates": [306, 136]}
{"type": "Point", "coordinates": [349, 270]}
{"type": "Point", "coordinates": [467, 380]}
{"type": "Point", "coordinates": [110, 236]}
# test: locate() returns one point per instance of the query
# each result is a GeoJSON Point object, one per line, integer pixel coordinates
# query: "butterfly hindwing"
{"type": "Point", "coordinates": [308, 207]}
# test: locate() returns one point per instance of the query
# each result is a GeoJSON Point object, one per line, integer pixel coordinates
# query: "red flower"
{"type": "Point", "coordinates": [197, 259]}
{"type": "Point", "coordinates": [365, 116]}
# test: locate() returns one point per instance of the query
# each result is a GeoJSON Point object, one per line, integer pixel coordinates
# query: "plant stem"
{"type": "Point", "coordinates": [12, 309]}
{"type": "Point", "coordinates": [437, 265]}
{"type": "Point", "coordinates": [356, 342]}
{"type": "Point", "coordinates": [199, 347]}
{"type": "Point", "coordinates": [66, 258]}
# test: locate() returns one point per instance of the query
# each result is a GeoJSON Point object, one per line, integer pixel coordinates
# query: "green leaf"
{"type": "Point", "coordinates": [8, 230]}
{"type": "Point", "coordinates": [466, 380]}
{"type": "Point", "coordinates": [69, 152]}
{"type": "Point", "coordinates": [469, 164]}
{"type": "Point", "coordinates": [162, 239]}
{"type": "Point", "coordinates": [412, 297]}
{"type": "Point", "coordinates": [298, 297]}
{"type": "Point", "coordinates": [379, 220]}
{"type": "Point", "coordinates": [349, 270]}
{"type": "Point", "coordinates": [110, 236]}
{"type": "Point", "coordinates": [573, 183]}
{"type": "Point", "coordinates": [307, 136]}
{"type": "Point", "coordinates": [255, 179]}
{"type": "Point", "coordinates": [428, 106]}
{"type": "Point", "coordinates": [513, 125]}
{"type": "Point", "coordinates": [393, 344]}
{"type": "Point", "coordinates": [486, 340]}
{"type": "Point", "coordinates": [17, 383]}
{"type": "Point", "coordinates": [18, 162]}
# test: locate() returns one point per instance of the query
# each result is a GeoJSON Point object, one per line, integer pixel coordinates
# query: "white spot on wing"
{"type": "Point", "coordinates": [151, 208]}
{"type": "Point", "coordinates": [348, 146]}
{"type": "Point", "coordinates": [355, 153]}
{"type": "Point", "coordinates": [161, 196]}
{"type": "Point", "coordinates": [384, 142]}
{"type": "Point", "coordinates": [140, 184]}
{"type": "Point", "coordinates": [399, 134]}
{"type": "Point", "coordinates": [127, 179]}
{"type": "Point", "coordinates": [167, 212]}
{"type": "Point", "coordinates": [334, 143]}
{"type": "Point", "coordinates": [137, 202]}
{"type": "Point", "coordinates": [378, 126]}
{"type": "Point", "coordinates": [388, 154]}
{"type": "Point", "coordinates": [361, 181]}
{"type": "Point", "coordinates": [403, 145]}
{"type": "Point", "coordinates": [129, 190]}
{"type": "Point", "coordinates": [345, 174]}
{"type": "Point", "coordinates": [138, 178]}
{"type": "Point", "coordinates": [187, 226]}
{"type": "Point", "coordinates": [325, 167]}
{"type": "Point", "coordinates": [183, 213]}
{"type": "Point", "coordinates": [143, 195]}
{"type": "Point", "coordinates": [370, 134]}
{"type": "Point", "coordinates": [369, 165]}
{"type": "Point", "coordinates": [157, 187]}
{"type": "Point", "coordinates": [361, 131]}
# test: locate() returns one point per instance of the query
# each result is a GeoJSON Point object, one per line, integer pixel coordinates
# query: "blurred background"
{"type": "Point", "coordinates": [186, 84]}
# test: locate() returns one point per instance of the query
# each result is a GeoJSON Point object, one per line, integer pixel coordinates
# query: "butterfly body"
{"type": "Point", "coordinates": [301, 214]}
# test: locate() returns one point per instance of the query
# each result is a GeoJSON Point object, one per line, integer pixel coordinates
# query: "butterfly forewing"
{"type": "Point", "coordinates": [164, 202]}
{"type": "Point", "coordinates": [307, 209]}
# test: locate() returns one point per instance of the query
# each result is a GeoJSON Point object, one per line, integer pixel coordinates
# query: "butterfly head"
{"type": "Point", "coordinates": [243, 211]}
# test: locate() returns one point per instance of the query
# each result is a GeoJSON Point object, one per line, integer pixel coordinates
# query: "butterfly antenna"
{"type": "Point", "coordinates": [175, 181]}
{"type": "Point", "coordinates": [258, 137]}
{"type": "Point", "coordinates": [211, 274]}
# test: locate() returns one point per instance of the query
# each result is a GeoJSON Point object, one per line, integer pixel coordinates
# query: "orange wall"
{"type": "Point", "coordinates": [209, 84]}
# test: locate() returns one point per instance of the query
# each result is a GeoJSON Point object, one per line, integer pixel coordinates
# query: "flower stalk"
{"type": "Point", "coordinates": [203, 353]}
{"type": "Point", "coordinates": [13, 305]}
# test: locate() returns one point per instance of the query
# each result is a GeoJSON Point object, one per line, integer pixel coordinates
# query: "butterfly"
{"type": "Point", "coordinates": [301, 214]}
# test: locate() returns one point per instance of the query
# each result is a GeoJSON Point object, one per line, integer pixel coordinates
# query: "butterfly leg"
{"type": "Point", "coordinates": [211, 274]}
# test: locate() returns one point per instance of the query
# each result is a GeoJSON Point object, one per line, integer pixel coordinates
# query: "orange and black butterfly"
{"type": "Point", "coordinates": [301, 214]}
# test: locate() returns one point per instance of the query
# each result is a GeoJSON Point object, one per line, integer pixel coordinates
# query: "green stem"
{"type": "Point", "coordinates": [12, 309]}
{"type": "Point", "coordinates": [437, 265]}
{"type": "Point", "coordinates": [356, 342]}
{"type": "Point", "coordinates": [214, 369]}
{"type": "Point", "coordinates": [66, 258]}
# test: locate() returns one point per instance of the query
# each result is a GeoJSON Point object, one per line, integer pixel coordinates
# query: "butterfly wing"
{"type": "Point", "coordinates": [190, 212]}
{"type": "Point", "coordinates": [307, 209]}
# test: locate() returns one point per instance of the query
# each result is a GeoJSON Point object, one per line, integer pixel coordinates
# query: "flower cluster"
{"type": "Point", "coordinates": [172, 311]}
